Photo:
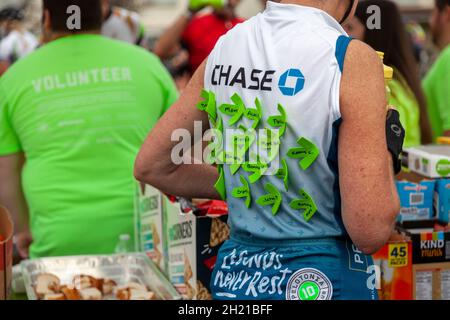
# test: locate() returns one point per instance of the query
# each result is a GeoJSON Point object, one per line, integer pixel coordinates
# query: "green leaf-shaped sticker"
{"type": "Point", "coordinates": [236, 110]}
{"type": "Point", "coordinates": [216, 145]}
{"type": "Point", "coordinates": [258, 169]}
{"type": "Point", "coordinates": [307, 152]}
{"type": "Point", "coordinates": [279, 121]}
{"type": "Point", "coordinates": [208, 104]}
{"type": "Point", "coordinates": [218, 124]}
{"type": "Point", "coordinates": [204, 103]}
{"type": "Point", "coordinates": [270, 142]}
{"type": "Point", "coordinates": [272, 198]}
{"type": "Point", "coordinates": [254, 114]}
{"type": "Point", "coordinates": [229, 109]}
{"type": "Point", "coordinates": [243, 192]}
{"type": "Point", "coordinates": [305, 203]}
{"type": "Point", "coordinates": [241, 144]}
{"type": "Point", "coordinates": [220, 184]}
{"type": "Point", "coordinates": [283, 173]}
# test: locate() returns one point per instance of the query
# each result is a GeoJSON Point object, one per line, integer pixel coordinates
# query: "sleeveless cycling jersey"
{"type": "Point", "coordinates": [272, 87]}
{"type": "Point", "coordinates": [290, 59]}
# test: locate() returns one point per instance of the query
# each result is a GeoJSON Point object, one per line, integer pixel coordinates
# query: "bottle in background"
{"type": "Point", "coordinates": [388, 76]}
{"type": "Point", "coordinates": [124, 244]}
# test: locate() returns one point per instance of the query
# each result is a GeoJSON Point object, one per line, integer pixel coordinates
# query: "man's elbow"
{"type": "Point", "coordinates": [370, 236]}
{"type": "Point", "coordinates": [143, 171]}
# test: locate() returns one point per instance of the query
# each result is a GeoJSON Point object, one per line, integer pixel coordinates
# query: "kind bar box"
{"type": "Point", "coordinates": [394, 274]}
{"type": "Point", "coordinates": [431, 281]}
{"type": "Point", "coordinates": [442, 200]}
{"type": "Point", "coordinates": [149, 223]}
{"type": "Point", "coordinates": [416, 200]}
{"type": "Point", "coordinates": [431, 161]}
{"type": "Point", "coordinates": [430, 247]}
{"type": "Point", "coordinates": [6, 253]}
{"type": "Point", "coordinates": [193, 244]}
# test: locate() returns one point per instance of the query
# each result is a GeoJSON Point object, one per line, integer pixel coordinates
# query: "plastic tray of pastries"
{"type": "Point", "coordinates": [122, 270]}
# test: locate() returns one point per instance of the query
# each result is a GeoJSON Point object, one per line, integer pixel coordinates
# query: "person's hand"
{"type": "Point", "coordinates": [23, 240]}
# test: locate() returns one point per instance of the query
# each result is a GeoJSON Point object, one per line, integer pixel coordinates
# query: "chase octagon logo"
{"type": "Point", "coordinates": [291, 82]}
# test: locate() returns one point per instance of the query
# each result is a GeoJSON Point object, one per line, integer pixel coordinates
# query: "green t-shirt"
{"type": "Point", "coordinates": [407, 106]}
{"type": "Point", "coordinates": [437, 90]}
{"type": "Point", "coordinates": [80, 108]}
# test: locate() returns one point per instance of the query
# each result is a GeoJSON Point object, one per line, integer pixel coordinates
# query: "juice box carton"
{"type": "Point", "coordinates": [416, 200]}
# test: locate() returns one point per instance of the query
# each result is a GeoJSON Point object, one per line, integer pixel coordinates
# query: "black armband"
{"type": "Point", "coordinates": [395, 136]}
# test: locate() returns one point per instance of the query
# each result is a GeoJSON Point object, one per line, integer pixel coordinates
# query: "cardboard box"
{"type": "Point", "coordinates": [430, 247]}
{"type": "Point", "coordinates": [431, 281]}
{"type": "Point", "coordinates": [432, 161]}
{"type": "Point", "coordinates": [192, 246]}
{"type": "Point", "coordinates": [394, 261]}
{"type": "Point", "coordinates": [431, 264]}
{"type": "Point", "coordinates": [416, 200]}
{"type": "Point", "coordinates": [149, 224]}
{"type": "Point", "coordinates": [442, 200]}
{"type": "Point", "coordinates": [6, 253]}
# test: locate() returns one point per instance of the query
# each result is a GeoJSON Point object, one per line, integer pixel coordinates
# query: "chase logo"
{"type": "Point", "coordinates": [291, 82]}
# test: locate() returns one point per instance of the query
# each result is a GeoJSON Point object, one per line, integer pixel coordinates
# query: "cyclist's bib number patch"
{"type": "Point", "coordinates": [309, 284]}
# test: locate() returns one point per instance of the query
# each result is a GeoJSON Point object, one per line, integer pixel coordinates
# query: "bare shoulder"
{"type": "Point", "coordinates": [362, 84]}
{"type": "Point", "coordinates": [361, 55]}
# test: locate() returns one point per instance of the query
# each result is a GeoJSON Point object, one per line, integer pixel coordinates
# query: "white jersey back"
{"type": "Point", "coordinates": [289, 56]}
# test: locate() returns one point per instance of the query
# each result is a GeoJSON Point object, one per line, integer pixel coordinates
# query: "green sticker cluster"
{"type": "Point", "coordinates": [306, 152]}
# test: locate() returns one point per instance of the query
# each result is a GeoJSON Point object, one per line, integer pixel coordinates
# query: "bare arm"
{"type": "Point", "coordinates": [170, 39]}
{"type": "Point", "coordinates": [11, 193]}
{"type": "Point", "coordinates": [154, 164]}
{"type": "Point", "coordinates": [370, 202]}
{"type": "Point", "coordinates": [12, 197]}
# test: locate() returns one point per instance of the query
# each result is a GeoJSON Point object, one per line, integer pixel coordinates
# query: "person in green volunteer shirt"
{"type": "Point", "coordinates": [437, 81]}
{"type": "Point", "coordinates": [392, 38]}
{"type": "Point", "coordinates": [73, 116]}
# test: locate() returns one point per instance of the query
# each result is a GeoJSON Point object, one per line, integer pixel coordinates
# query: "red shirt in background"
{"type": "Point", "coordinates": [201, 35]}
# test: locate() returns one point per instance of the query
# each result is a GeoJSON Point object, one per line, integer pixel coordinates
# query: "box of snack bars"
{"type": "Point", "coordinates": [149, 224]}
{"type": "Point", "coordinates": [431, 281]}
{"type": "Point", "coordinates": [430, 246]}
{"type": "Point", "coordinates": [192, 246]}
{"type": "Point", "coordinates": [6, 253]}
{"type": "Point", "coordinates": [416, 200]}
{"type": "Point", "coordinates": [442, 200]}
{"type": "Point", "coordinates": [431, 161]}
{"type": "Point", "coordinates": [394, 263]}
